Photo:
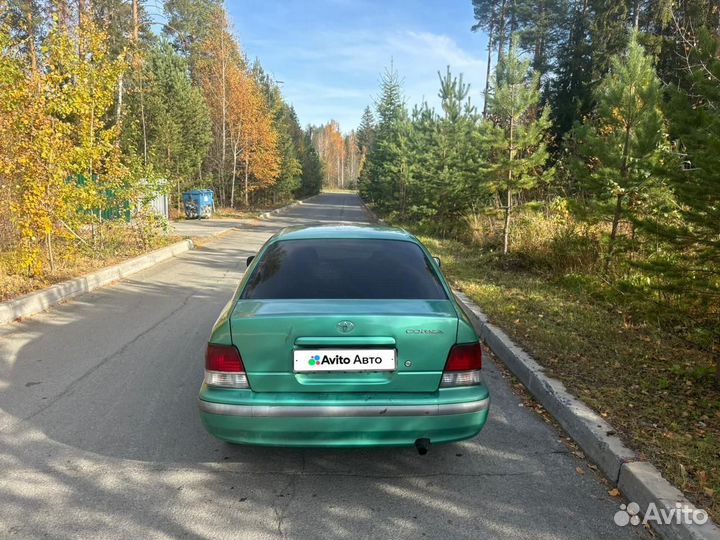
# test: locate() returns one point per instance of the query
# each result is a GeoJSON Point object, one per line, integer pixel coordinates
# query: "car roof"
{"type": "Point", "coordinates": [375, 232]}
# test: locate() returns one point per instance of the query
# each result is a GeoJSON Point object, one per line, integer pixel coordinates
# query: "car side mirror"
{"type": "Point", "coordinates": [437, 261]}
{"type": "Point", "coordinates": [249, 260]}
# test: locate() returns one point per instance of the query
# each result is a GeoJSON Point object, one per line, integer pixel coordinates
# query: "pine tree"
{"type": "Point", "coordinates": [178, 128]}
{"type": "Point", "coordinates": [455, 155]}
{"type": "Point", "coordinates": [544, 23]}
{"type": "Point", "coordinates": [190, 23]}
{"type": "Point", "coordinates": [571, 90]}
{"type": "Point", "coordinates": [312, 173]}
{"type": "Point", "coordinates": [519, 139]}
{"type": "Point", "coordinates": [116, 16]}
{"type": "Point", "coordinates": [423, 190]}
{"type": "Point", "coordinates": [290, 158]}
{"type": "Point", "coordinates": [486, 14]}
{"type": "Point", "coordinates": [366, 132]}
{"type": "Point", "coordinates": [384, 178]}
{"type": "Point", "coordinates": [695, 124]}
{"type": "Point", "coordinates": [26, 23]}
{"type": "Point", "coordinates": [598, 30]}
{"type": "Point", "coordinates": [620, 146]}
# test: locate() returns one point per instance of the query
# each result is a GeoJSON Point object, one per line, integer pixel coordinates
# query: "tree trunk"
{"type": "Point", "coordinates": [618, 205]}
{"type": "Point", "coordinates": [234, 172]}
{"type": "Point", "coordinates": [613, 232]}
{"type": "Point", "coordinates": [247, 167]}
{"type": "Point", "coordinates": [223, 90]}
{"type": "Point", "coordinates": [51, 256]}
{"type": "Point", "coordinates": [539, 53]}
{"type": "Point", "coordinates": [63, 13]}
{"type": "Point", "coordinates": [118, 105]}
{"type": "Point", "coordinates": [506, 226]}
{"type": "Point", "coordinates": [142, 119]}
{"type": "Point", "coordinates": [136, 22]}
{"type": "Point", "coordinates": [513, 20]}
{"type": "Point", "coordinates": [488, 70]}
{"type": "Point", "coordinates": [352, 163]}
{"type": "Point", "coordinates": [501, 33]}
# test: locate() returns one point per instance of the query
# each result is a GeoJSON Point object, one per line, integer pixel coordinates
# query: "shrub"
{"type": "Point", "coordinates": [544, 237]}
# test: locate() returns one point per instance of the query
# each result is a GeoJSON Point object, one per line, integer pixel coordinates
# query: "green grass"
{"type": "Point", "coordinates": [655, 388]}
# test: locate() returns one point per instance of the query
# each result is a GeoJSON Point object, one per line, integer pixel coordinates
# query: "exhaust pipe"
{"type": "Point", "coordinates": [422, 445]}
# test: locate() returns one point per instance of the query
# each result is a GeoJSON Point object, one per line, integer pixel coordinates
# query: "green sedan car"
{"type": "Point", "coordinates": [343, 336]}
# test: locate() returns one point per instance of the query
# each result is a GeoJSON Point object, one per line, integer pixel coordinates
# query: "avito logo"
{"type": "Point", "coordinates": [316, 360]}
{"type": "Point", "coordinates": [328, 360]}
{"type": "Point", "coordinates": [630, 515]}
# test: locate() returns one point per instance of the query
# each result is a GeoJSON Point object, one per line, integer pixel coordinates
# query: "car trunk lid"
{"type": "Point", "coordinates": [269, 332]}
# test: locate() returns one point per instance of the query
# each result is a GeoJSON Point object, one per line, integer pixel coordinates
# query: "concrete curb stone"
{"type": "Point", "coordinates": [642, 483]}
{"type": "Point", "coordinates": [266, 215]}
{"type": "Point", "coordinates": [44, 299]}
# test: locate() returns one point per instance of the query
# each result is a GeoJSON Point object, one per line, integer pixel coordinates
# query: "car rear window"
{"type": "Point", "coordinates": [344, 269]}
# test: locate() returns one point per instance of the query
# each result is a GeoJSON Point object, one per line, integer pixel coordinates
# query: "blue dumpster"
{"type": "Point", "coordinates": [198, 203]}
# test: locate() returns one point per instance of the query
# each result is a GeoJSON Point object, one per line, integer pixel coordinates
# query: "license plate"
{"type": "Point", "coordinates": [308, 360]}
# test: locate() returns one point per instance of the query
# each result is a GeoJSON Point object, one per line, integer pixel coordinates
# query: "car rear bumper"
{"type": "Point", "coordinates": [346, 420]}
{"type": "Point", "coordinates": [309, 411]}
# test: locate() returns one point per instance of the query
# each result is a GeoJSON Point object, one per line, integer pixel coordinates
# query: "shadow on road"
{"type": "Point", "coordinates": [100, 436]}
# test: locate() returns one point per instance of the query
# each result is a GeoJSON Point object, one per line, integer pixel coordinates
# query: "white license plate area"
{"type": "Point", "coordinates": [320, 360]}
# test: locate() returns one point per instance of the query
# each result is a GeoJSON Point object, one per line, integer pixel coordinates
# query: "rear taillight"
{"type": "Point", "coordinates": [463, 366]}
{"type": "Point", "coordinates": [224, 367]}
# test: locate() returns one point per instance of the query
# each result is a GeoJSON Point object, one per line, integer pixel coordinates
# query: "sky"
{"type": "Point", "coordinates": [329, 54]}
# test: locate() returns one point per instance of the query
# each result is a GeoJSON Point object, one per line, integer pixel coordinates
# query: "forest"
{"type": "Point", "coordinates": [105, 103]}
{"type": "Point", "coordinates": [579, 205]}
{"type": "Point", "coordinates": [595, 155]}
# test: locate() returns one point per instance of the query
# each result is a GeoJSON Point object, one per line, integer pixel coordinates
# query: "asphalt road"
{"type": "Point", "coordinates": [100, 435]}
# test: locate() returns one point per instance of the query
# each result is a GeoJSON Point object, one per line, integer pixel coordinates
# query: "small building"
{"type": "Point", "coordinates": [160, 205]}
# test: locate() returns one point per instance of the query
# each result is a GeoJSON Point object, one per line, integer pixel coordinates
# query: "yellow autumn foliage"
{"type": "Point", "coordinates": [53, 128]}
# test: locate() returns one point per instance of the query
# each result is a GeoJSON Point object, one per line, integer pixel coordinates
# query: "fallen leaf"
{"type": "Point", "coordinates": [615, 492]}
{"type": "Point", "coordinates": [580, 470]}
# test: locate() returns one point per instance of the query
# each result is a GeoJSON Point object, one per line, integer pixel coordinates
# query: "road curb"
{"type": "Point", "coordinates": [35, 302]}
{"type": "Point", "coordinates": [638, 480]}
{"type": "Point", "coordinates": [642, 483]}
{"type": "Point", "coordinates": [373, 216]}
{"type": "Point", "coordinates": [266, 215]}
{"type": "Point", "coordinates": [214, 234]}
{"type": "Point", "coordinates": [588, 428]}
